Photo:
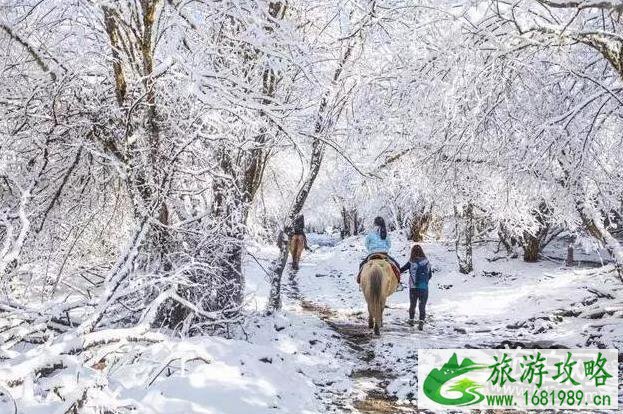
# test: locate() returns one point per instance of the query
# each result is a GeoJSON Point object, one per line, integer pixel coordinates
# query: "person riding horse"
{"type": "Point", "coordinates": [296, 240]}
{"type": "Point", "coordinates": [379, 274]}
{"type": "Point", "coordinates": [378, 244]}
{"type": "Point", "coordinates": [298, 229]}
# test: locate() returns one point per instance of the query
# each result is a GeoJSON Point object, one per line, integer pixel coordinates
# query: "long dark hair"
{"type": "Point", "coordinates": [378, 221]}
{"type": "Point", "coordinates": [417, 253]}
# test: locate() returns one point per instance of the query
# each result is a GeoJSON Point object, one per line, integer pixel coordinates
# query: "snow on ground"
{"type": "Point", "coordinates": [503, 303]}
{"type": "Point", "coordinates": [276, 364]}
{"type": "Point", "coordinates": [317, 355]}
{"type": "Point", "coordinates": [274, 371]}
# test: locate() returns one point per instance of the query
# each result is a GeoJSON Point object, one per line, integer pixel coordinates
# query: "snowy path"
{"type": "Point", "coordinates": [505, 304]}
{"type": "Point", "coordinates": [317, 355]}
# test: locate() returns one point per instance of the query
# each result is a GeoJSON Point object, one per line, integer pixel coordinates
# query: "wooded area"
{"type": "Point", "coordinates": [145, 144]}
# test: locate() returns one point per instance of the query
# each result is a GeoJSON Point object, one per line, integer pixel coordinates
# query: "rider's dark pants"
{"type": "Point", "coordinates": [415, 296]}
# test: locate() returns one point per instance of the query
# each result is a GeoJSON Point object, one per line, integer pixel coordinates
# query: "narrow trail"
{"type": "Point", "coordinates": [369, 394]}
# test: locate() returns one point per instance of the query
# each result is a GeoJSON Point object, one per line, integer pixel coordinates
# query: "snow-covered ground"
{"type": "Point", "coordinates": [504, 303]}
{"type": "Point", "coordinates": [317, 355]}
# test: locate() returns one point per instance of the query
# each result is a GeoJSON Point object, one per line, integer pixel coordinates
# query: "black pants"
{"type": "Point", "coordinates": [416, 295]}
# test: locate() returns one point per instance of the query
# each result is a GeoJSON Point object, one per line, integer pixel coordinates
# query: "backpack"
{"type": "Point", "coordinates": [419, 275]}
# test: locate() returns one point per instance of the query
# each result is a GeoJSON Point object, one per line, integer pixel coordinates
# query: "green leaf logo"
{"type": "Point", "coordinates": [437, 378]}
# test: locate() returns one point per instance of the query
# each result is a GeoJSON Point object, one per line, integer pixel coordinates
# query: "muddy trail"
{"type": "Point", "coordinates": [369, 394]}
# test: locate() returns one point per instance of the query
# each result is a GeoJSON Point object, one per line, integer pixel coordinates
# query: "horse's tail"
{"type": "Point", "coordinates": [376, 287]}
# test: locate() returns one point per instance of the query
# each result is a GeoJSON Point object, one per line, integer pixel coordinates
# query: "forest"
{"type": "Point", "coordinates": [155, 156]}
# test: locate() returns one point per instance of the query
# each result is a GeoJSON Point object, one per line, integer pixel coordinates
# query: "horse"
{"type": "Point", "coordinates": [378, 281]}
{"type": "Point", "coordinates": [297, 244]}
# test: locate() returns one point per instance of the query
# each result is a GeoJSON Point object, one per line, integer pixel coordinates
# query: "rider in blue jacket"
{"type": "Point", "coordinates": [376, 244]}
{"type": "Point", "coordinates": [378, 241]}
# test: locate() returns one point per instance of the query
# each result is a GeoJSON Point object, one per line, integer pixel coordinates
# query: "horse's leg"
{"type": "Point", "coordinates": [381, 312]}
{"type": "Point", "coordinates": [292, 249]}
{"type": "Point", "coordinates": [383, 299]}
{"type": "Point", "coordinates": [378, 317]}
{"type": "Point", "coordinates": [370, 318]}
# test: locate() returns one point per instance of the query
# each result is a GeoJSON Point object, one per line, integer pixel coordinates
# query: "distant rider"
{"type": "Point", "coordinates": [298, 229]}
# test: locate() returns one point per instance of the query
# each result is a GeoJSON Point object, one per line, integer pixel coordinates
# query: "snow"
{"type": "Point", "coordinates": [120, 183]}
{"type": "Point", "coordinates": [197, 375]}
{"type": "Point", "coordinates": [502, 302]}
{"type": "Point", "coordinates": [317, 354]}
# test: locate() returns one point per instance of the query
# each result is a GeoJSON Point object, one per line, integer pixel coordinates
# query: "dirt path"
{"type": "Point", "coordinates": [369, 394]}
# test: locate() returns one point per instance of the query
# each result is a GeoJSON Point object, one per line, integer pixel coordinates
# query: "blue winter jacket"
{"type": "Point", "coordinates": [375, 244]}
{"type": "Point", "coordinates": [420, 273]}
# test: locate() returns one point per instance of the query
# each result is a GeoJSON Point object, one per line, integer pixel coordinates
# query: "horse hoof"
{"type": "Point", "coordinates": [377, 331]}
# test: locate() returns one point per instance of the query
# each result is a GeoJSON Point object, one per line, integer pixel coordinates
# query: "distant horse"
{"type": "Point", "coordinates": [377, 283]}
{"type": "Point", "coordinates": [297, 244]}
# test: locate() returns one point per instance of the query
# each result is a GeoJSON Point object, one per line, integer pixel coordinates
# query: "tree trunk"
{"type": "Point", "coordinates": [508, 241]}
{"type": "Point", "coordinates": [569, 261]}
{"type": "Point", "coordinates": [315, 162]}
{"type": "Point", "coordinates": [234, 191]}
{"type": "Point", "coordinates": [274, 298]}
{"type": "Point", "coordinates": [110, 22]}
{"type": "Point", "coordinates": [357, 223]}
{"type": "Point", "coordinates": [346, 229]}
{"type": "Point", "coordinates": [351, 223]}
{"type": "Point", "coordinates": [464, 235]}
{"type": "Point", "coordinates": [274, 301]}
{"type": "Point", "coordinates": [593, 221]}
{"type": "Point", "coordinates": [531, 248]}
{"type": "Point", "coordinates": [533, 243]}
{"type": "Point", "coordinates": [420, 222]}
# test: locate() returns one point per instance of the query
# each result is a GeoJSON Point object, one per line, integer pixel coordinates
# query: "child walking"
{"type": "Point", "coordinates": [419, 274]}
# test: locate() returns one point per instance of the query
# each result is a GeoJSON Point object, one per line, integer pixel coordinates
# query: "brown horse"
{"type": "Point", "coordinates": [297, 244]}
{"type": "Point", "coordinates": [377, 283]}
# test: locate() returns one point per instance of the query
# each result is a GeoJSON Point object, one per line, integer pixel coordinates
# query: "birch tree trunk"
{"type": "Point", "coordinates": [464, 234]}
{"type": "Point", "coordinates": [315, 162]}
